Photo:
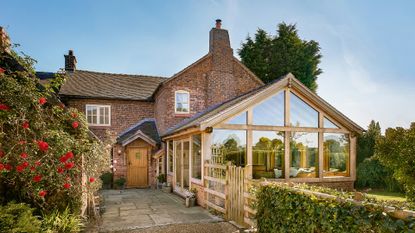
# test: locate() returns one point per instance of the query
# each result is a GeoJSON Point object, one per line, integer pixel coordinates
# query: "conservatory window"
{"type": "Point", "coordinates": [302, 114]}
{"type": "Point", "coordinates": [170, 156]}
{"type": "Point", "coordinates": [336, 155]}
{"type": "Point", "coordinates": [270, 112]}
{"type": "Point", "coordinates": [304, 155]}
{"type": "Point", "coordinates": [268, 154]}
{"type": "Point", "coordinates": [329, 124]}
{"type": "Point", "coordinates": [182, 102]}
{"type": "Point", "coordinates": [196, 157]}
{"type": "Point", "coordinates": [229, 145]}
{"type": "Point", "coordinates": [238, 120]}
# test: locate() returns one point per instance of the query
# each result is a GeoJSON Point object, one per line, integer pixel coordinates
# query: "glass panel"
{"type": "Point", "coordinates": [336, 154]}
{"type": "Point", "coordinates": [178, 167]}
{"type": "Point", "coordinates": [186, 157]}
{"type": "Point", "coordinates": [329, 124]}
{"type": "Point", "coordinates": [301, 114]}
{"type": "Point", "coordinates": [239, 119]}
{"type": "Point", "coordinates": [161, 165]}
{"type": "Point", "coordinates": [268, 154]}
{"type": "Point", "coordinates": [94, 115]}
{"type": "Point", "coordinates": [270, 112]}
{"type": "Point", "coordinates": [170, 154]}
{"type": "Point", "coordinates": [106, 115]}
{"type": "Point", "coordinates": [229, 145]}
{"type": "Point", "coordinates": [304, 155]}
{"type": "Point", "coordinates": [182, 102]}
{"type": "Point", "coordinates": [196, 157]}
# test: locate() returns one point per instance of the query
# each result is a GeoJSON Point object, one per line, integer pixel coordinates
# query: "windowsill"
{"type": "Point", "coordinates": [182, 114]}
{"type": "Point", "coordinates": [196, 181]}
{"type": "Point", "coordinates": [98, 126]}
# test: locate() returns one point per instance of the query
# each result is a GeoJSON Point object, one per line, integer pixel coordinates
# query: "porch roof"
{"type": "Point", "coordinates": [146, 129]}
{"type": "Point", "coordinates": [205, 118]}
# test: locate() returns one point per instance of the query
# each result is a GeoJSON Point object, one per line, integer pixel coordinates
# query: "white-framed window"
{"type": "Point", "coordinates": [98, 115]}
{"type": "Point", "coordinates": [182, 102]}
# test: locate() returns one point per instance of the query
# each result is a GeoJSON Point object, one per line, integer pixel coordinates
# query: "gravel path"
{"type": "Point", "coordinates": [218, 227]}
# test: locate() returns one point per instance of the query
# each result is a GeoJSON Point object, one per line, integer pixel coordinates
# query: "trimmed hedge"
{"type": "Point", "coordinates": [280, 208]}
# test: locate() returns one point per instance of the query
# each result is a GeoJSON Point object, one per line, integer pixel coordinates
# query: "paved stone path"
{"type": "Point", "coordinates": [142, 208]}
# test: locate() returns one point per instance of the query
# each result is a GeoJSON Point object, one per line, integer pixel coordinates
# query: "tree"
{"type": "Point", "coordinates": [271, 57]}
{"type": "Point", "coordinates": [396, 151]}
{"type": "Point", "coordinates": [366, 142]}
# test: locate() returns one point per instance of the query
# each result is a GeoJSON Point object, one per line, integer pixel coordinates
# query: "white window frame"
{"type": "Point", "coordinates": [175, 101]}
{"type": "Point", "coordinates": [98, 114]}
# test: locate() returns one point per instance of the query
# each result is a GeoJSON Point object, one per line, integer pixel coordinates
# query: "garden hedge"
{"type": "Point", "coordinates": [281, 208]}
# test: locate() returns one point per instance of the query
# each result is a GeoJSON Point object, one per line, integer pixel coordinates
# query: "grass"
{"type": "Point", "coordinates": [386, 196]}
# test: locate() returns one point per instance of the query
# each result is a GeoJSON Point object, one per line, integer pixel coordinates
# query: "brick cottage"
{"type": "Point", "coordinates": [212, 114]}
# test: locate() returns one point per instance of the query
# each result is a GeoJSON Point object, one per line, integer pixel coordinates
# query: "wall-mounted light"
{"type": "Point", "coordinates": [115, 161]}
{"type": "Point", "coordinates": [119, 152]}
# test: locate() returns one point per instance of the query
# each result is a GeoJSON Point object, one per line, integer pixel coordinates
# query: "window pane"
{"type": "Point", "coordinates": [268, 154]}
{"type": "Point", "coordinates": [196, 157]}
{"type": "Point", "coordinates": [304, 155]}
{"type": "Point", "coordinates": [160, 162]}
{"type": "Point", "coordinates": [329, 124]}
{"type": "Point", "coordinates": [170, 154]}
{"type": "Point", "coordinates": [229, 145]}
{"type": "Point", "coordinates": [182, 102]}
{"type": "Point", "coordinates": [270, 112]}
{"type": "Point", "coordinates": [301, 114]}
{"type": "Point", "coordinates": [336, 154]}
{"type": "Point", "coordinates": [178, 156]}
{"type": "Point", "coordinates": [239, 119]}
{"type": "Point", "coordinates": [185, 162]}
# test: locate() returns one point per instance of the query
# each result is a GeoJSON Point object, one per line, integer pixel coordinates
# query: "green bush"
{"type": "Point", "coordinates": [280, 208]}
{"type": "Point", "coordinates": [372, 174]}
{"type": "Point", "coordinates": [120, 182]}
{"type": "Point", "coordinates": [18, 218]}
{"type": "Point", "coordinates": [162, 178]}
{"type": "Point", "coordinates": [61, 222]}
{"type": "Point", "coordinates": [106, 179]}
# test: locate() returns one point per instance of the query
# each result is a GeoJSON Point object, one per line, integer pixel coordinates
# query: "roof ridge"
{"type": "Point", "coordinates": [121, 74]}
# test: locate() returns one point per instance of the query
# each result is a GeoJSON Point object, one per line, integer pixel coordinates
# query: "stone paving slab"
{"type": "Point", "coordinates": [142, 208]}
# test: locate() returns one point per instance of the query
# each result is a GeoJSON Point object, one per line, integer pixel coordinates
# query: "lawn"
{"type": "Point", "coordinates": [387, 196]}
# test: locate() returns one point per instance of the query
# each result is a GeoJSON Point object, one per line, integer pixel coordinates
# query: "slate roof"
{"type": "Point", "coordinates": [147, 126]}
{"type": "Point", "coordinates": [89, 84]}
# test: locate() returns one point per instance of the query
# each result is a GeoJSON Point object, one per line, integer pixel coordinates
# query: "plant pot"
{"type": "Point", "coordinates": [167, 189]}
{"type": "Point", "coordinates": [190, 201]}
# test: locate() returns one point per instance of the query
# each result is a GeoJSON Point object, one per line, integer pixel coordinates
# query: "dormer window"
{"type": "Point", "coordinates": [182, 102]}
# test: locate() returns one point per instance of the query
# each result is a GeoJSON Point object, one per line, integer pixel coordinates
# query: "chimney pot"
{"type": "Point", "coordinates": [218, 23]}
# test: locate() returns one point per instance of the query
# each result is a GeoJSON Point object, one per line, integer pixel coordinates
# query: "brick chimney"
{"type": "Point", "coordinates": [70, 61]}
{"type": "Point", "coordinates": [219, 39]}
{"type": "Point", "coordinates": [4, 41]}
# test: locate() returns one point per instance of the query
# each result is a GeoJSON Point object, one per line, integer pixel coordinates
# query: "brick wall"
{"type": "Point", "coordinates": [124, 113]}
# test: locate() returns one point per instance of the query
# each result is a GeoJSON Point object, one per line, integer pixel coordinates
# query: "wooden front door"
{"type": "Point", "coordinates": [137, 167]}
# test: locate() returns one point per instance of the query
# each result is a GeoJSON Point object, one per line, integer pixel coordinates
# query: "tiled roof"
{"type": "Point", "coordinates": [89, 84]}
{"type": "Point", "coordinates": [147, 126]}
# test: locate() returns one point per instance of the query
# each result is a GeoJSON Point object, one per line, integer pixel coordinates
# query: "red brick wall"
{"type": "Point", "coordinates": [124, 113]}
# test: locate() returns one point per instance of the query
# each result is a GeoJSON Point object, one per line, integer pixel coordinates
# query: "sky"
{"type": "Point", "coordinates": [367, 46]}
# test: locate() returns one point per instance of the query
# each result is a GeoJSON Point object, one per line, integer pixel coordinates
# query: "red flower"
{"type": "Point", "coordinates": [4, 107]}
{"type": "Point", "coordinates": [69, 165]}
{"type": "Point", "coordinates": [75, 124]}
{"type": "Point", "coordinates": [42, 193]}
{"type": "Point", "coordinates": [2, 154]}
{"type": "Point", "coordinates": [25, 125]}
{"type": "Point", "coordinates": [43, 146]}
{"type": "Point", "coordinates": [37, 178]}
{"type": "Point", "coordinates": [60, 170]}
{"type": "Point", "coordinates": [91, 179]}
{"type": "Point", "coordinates": [1, 167]}
{"type": "Point", "coordinates": [69, 155]}
{"type": "Point", "coordinates": [67, 186]}
{"type": "Point", "coordinates": [32, 168]}
{"type": "Point", "coordinates": [2, 70]}
{"type": "Point", "coordinates": [25, 164]}
{"type": "Point", "coordinates": [23, 155]}
{"type": "Point", "coordinates": [62, 106]}
{"type": "Point", "coordinates": [38, 163]}
{"type": "Point", "coordinates": [19, 168]}
{"type": "Point", "coordinates": [8, 167]}
{"type": "Point", "coordinates": [42, 100]}
{"type": "Point", "coordinates": [63, 159]}
{"type": "Point", "coordinates": [74, 114]}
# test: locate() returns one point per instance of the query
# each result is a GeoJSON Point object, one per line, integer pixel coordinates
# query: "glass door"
{"type": "Point", "coordinates": [185, 162]}
{"type": "Point", "coordinates": [178, 163]}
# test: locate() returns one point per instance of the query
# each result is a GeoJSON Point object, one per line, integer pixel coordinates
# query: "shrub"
{"type": "Point", "coordinates": [18, 218]}
{"type": "Point", "coordinates": [106, 179]}
{"type": "Point", "coordinates": [162, 178]}
{"type": "Point", "coordinates": [45, 148]}
{"type": "Point", "coordinates": [372, 174]}
{"type": "Point", "coordinates": [61, 222]}
{"type": "Point", "coordinates": [120, 182]}
{"type": "Point", "coordinates": [280, 208]}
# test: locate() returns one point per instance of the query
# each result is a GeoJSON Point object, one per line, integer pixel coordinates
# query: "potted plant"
{"type": "Point", "coordinates": [168, 188]}
{"type": "Point", "coordinates": [106, 180]}
{"type": "Point", "coordinates": [120, 183]}
{"type": "Point", "coordinates": [191, 198]}
{"type": "Point", "coordinates": [161, 179]}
